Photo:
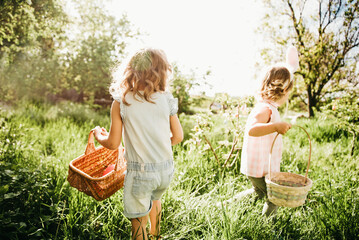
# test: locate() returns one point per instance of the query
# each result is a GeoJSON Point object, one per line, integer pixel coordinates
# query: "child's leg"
{"type": "Point", "coordinates": [269, 208]}
{"type": "Point", "coordinates": [259, 186]}
{"type": "Point", "coordinates": [155, 217]}
{"type": "Point", "coordinates": [139, 228]}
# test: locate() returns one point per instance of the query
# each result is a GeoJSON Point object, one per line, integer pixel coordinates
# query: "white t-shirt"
{"type": "Point", "coordinates": [147, 134]}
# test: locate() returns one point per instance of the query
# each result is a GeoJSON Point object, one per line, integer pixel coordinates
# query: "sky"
{"type": "Point", "coordinates": [201, 35]}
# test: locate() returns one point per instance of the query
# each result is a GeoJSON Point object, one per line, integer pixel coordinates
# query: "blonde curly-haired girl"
{"type": "Point", "coordinates": [262, 125]}
{"type": "Point", "coordinates": [146, 115]}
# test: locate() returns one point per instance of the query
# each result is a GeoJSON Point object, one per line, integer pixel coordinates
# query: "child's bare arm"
{"type": "Point", "coordinates": [176, 129]}
{"type": "Point", "coordinates": [261, 126]}
{"type": "Point", "coordinates": [113, 139]}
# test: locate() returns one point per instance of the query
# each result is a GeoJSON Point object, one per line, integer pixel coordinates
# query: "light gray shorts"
{"type": "Point", "coordinates": [145, 182]}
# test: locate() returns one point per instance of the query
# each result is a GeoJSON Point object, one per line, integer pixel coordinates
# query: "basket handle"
{"type": "Point", "coordinates": [91, 148]}
{"type": "Point", "coordinates": [90, 144]}
{"type": "Point", "coordinates": [310, 153]}
{"type": "Point", "coordinates": [120, 158]}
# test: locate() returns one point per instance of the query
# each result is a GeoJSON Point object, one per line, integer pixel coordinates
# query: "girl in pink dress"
{"type": "Point", "coordinates": [262, 126]}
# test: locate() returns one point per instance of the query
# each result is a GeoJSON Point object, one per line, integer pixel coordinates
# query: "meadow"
{"type": "Point", "coordinates": [37, 142]}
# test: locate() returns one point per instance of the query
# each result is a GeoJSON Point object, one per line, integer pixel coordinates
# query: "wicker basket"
{"type": "Point", "coordinates": [288, 189]}
{"type": "Point", "coordinates": [86, 171]}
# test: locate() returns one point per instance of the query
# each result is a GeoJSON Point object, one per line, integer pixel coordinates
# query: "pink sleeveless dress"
{"type": "Point", "coordinates": [255, 151]}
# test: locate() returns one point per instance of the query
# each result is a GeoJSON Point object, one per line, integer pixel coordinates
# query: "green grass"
{"type": "Point", "coordinates": [36, 201]}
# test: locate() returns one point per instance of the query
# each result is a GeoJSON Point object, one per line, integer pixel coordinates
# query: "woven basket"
{"type": "Point", "coordinates": [288, 189]}
{"type": "Point", "coordinates": [86, 171]}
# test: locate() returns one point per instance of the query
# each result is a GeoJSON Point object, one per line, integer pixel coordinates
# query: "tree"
{"type": "Point", "coordinates": [29, 25]}
{"type": "Point", "coordinates": [326, 34]}
{"type": "Point", "coordinates": [181, 86]}
{"type": "Point", "coordinates": [101, 41]}
{"type": "Point", "coordinates": [345, 111]}
{"type": "Point", "coordinates": [45, 53]}
{"type": "Point", "coordinates": [28, 31]}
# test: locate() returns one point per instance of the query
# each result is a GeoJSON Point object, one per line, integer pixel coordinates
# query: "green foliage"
{"type": "Point", "coordinates": [27, 41]}
{"type": "Point", "coordinates": [219, 134]}
{"type": "Point", "coordinates": [181, 86]}
{"type": "Point", "coordinates": [36, 202]}
{"type": "Point", "coordinates": [100, 45]}
{"type": "Point", "coordinates": [27, 26]}
{"type": "Point", "coordinates": [25, 188]}
{"type": "Point", "coordinates": [327, 53]}
{"type": "Point", "coordinates": [35, 198]}
{"type": "Point", "coordinates": [345, 111]}
{"type": "Point", "coordinates": [48, 55]}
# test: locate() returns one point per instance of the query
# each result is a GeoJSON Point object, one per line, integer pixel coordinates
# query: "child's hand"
{"type": "Point", "coordinates": [282, 127]}
{"type": "Point", "coordinates": [99, 131]}
{"type": "Point", "coordinates": [104, 132]}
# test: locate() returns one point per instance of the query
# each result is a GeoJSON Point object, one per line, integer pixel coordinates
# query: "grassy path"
{"type": "Point", "coordinates": [36, 202]}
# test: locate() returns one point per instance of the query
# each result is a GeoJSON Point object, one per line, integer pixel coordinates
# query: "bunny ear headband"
{"type": "Point", "coordinates": [292, 59]}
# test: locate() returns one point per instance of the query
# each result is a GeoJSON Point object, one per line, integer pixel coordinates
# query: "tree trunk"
{"type": "Point", "coordinates": [353, 142]}
{"type": "Point", "coordinates": [312, 102]}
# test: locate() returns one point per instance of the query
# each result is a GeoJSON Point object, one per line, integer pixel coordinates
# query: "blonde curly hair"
{"type": "Point", "coordinates": [148, 70]}
{"type": "Point", "coordinates": [276, 83]}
